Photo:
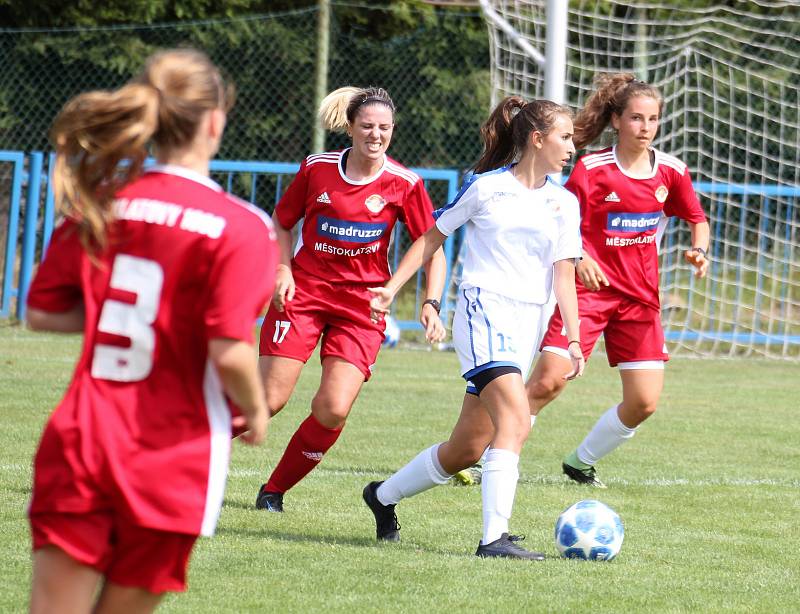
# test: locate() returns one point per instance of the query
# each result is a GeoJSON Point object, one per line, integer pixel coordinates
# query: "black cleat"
{"type": "Point", "coordinates": [507, 548]}
{"type": "Point", "coordinates": [270, 501]}
{"type": "Point", "coordinates": [386, 526]}
{"type": "Point", "coordinates": [582, 476]}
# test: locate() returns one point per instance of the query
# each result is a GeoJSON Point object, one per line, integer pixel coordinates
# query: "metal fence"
{"type": "Point", "coordinates": [30, 220]}
{"type": "Point", "coordinates": [437, 72]}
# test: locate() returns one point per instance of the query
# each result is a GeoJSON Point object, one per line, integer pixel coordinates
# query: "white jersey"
{"type": "Point", "coordinates": [514, 235]}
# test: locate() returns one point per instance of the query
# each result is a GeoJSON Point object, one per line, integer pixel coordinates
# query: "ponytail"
{"type": "Point", "coordinates": [338, 110]}
{"type": "Point", "coordinates": [93, 133]}
{"type": "Point", "coordinates": [611, 95]}
{"type": "Point", "coordinates": [101, 138]}
{"type": "Point", "coordinates": [496, 133]}
{"type": "Point", "coordinates": [506, 133]}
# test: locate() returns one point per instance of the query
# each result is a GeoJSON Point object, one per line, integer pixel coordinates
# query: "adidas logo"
{"type": "Point", "coordinates": [611, 198]}
{"type": "Point", "coordinates": [324, 198]}
{"type": "Point", "coordinates": [314, 456]}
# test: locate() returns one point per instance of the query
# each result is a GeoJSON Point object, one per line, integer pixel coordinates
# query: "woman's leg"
{"type": "Point", "coordinates": [129, 599]}
{"type": "Point", "coordinates": [507, 405]}
{"type": "Point", "coordinates": [431, 467]}
{"type": "Point", "coordinates": [279, 376]}
{"type": "Point", "coordinates": [546, 381]}
{"type": "Point", "coordinates": [61, 584]}
{"type": "Point", "coordinates": [338, 390]}
{"type": "Point", "coordinates": [641, 389]}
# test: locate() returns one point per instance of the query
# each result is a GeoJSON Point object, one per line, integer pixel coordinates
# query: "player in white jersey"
{"type": "Point", "coordinates": [522, 239]}
{"type": "Point", "coordinates": [624, 193]}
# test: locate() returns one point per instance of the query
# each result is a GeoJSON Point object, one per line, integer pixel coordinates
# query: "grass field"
{"type": "Point", "coordinates": [709, 492]}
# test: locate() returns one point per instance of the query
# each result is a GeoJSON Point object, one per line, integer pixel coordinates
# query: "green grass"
{"type": "Point", "coordinates": [709, 492]}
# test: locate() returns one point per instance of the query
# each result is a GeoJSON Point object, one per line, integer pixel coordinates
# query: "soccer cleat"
{"type": "Point", "coordinates": [506, 547]}
{"type": "Point", "coordinates": [469, 476]}
{"type": "Point", "coordinates": [386, 526]}
{"type": "Point", "coordinates": [270, 501]}
{"type": "Point", "coordinates": [582, 476]}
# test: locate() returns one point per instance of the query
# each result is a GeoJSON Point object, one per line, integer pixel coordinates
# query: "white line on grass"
{"type": "Point", "coordinates": [551, 480]}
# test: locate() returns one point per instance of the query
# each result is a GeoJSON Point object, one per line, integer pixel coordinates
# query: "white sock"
{"type": "Point", "coordinates": [605, 437]}
{"type": "Point", "coordinates": [423, 472]}
{"type": "Point", "coordinates": [533, 420]}
{"type": "Point", "coordinates": [498, 487]}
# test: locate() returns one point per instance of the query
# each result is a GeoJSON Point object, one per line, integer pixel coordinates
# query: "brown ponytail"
{"type": "Point", "coordinates": [611, 95]}
{"type": "Point", "coordinates": [101, 138]}
{"type": "Point", "coordinates": [506, 133]}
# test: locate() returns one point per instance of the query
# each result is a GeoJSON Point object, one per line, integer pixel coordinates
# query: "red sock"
{"type": "Point", "coordinates": [304, 452]}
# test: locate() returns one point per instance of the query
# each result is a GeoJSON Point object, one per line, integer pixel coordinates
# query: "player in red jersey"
{"type": "Point", "coordinates": [349, 202]}
{"type": "Point", "coordinates": [156, 269]}
{"type": "Point", "coordinates": [625, 192]}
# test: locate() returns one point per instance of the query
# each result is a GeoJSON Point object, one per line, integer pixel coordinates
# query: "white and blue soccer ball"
{"type": "Point", "coordinates": [589, 530]}
{"type": "Point", "coordinates": [392, 332]}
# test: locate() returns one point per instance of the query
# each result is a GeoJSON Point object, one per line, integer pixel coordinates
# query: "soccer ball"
{"type": "Point", "coordinates": [392, 332]}
{"type": "Point", "coordinates": [589, 530]}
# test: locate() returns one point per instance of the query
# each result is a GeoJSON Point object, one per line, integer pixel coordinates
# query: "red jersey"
{"type": "Point", "coordinates": [620, 217]}
{"type": "Point", "coordinates": [348, 224]}
{"type": "Point", "coordinates": [144, 426]}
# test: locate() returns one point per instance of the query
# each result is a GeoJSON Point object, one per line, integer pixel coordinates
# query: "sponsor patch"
{"type": "Point", "coordinates": [632, 222]}
{"type": "Point", "coordinates": [345, 230]}
{"type": "Point", "coordinates": [612, 198]}
{"type": "Point", "coordinates": [375, 203]}
{"type": "Point", "coordinates": [661, 193]}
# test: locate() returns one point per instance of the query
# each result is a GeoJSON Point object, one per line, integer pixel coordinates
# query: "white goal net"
{"type": "Point", "coordinates": [730, 77]}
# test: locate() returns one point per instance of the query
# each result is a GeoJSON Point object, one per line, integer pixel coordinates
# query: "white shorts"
{"type": "Point", "coordinates": [492, 330]}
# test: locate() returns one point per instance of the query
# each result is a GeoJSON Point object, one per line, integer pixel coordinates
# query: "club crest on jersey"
{"type": "Point", "coordinates": [661, 193]}
{"type": "Point", "coordinates": [375, 203]}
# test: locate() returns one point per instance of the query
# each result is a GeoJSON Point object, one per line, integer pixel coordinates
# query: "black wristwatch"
{"type": "Point", "coordinates": [433, 303]}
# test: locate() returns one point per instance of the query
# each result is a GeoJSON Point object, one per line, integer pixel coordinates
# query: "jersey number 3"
{"type": "Point", "coordinates": [144, 279]}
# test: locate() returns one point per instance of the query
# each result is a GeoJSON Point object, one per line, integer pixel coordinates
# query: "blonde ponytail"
{"type": "Point", "coordinates": [101, 138]}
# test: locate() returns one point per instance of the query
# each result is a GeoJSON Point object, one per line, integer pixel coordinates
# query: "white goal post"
{"type": "Point", "coordinates": [730, 76]}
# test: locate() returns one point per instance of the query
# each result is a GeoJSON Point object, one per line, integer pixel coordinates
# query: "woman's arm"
{"type": "Point", "coordinates": [567, 298]}
{"type": "Point", "coordinates": [237, 366]}
{"type": "Point", "coordinates": [420, 251]}
{"type": "Point", "coordinates": [697, 256]}
{"type": "Point", "coordinates": [284, 280]}
{"type": "Point", "coordinates": [71, 321]}
{"type": "Point", "coordinates": [435, 271]}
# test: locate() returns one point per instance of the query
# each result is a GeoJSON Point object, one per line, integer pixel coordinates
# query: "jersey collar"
{"type": "Point", "coordinates": [627, 174]}
{"type": "Point", "coordinates": [186, 173]}
{"type": "Point", "coordinates": [363, 181]}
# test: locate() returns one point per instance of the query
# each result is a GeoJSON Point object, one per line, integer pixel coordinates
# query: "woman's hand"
{"type": "Point", "coordinates": [432, 323]}
{"type": "Point", "coordinates": [255, 427]}
{"type": "Point", "coordinates": [590, 273]}
{"type": "Point", "coordinates": [284, 287]}
{"type": "Point", "coordinates": [697, 258]}
{"type": "Point", "coordinates": [382, 298]}
{"type": "Point", "coordinates": [577, 360]}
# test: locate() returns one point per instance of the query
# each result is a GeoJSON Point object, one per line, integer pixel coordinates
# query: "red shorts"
{"type": "Point", "coordinates": [631, 330]}
{"type": "Point", "coordinates": [126, 554]}
{"type": "Point", "coordinates": [336, 312]}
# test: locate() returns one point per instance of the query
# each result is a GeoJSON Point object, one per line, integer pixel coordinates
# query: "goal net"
{"type": "Point", "coordinates": [730, 78]}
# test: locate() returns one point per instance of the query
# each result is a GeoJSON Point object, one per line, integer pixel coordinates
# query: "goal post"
{"type": "Point", "coordinates": [730, 76]}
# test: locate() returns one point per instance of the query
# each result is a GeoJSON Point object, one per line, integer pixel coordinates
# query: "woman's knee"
{"type": "Point", "coordinates": [455, 458]}
{"type": "Point", "coordinates": [332, 412]}
{"type": "Point", "coordinates": [544, 389]}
